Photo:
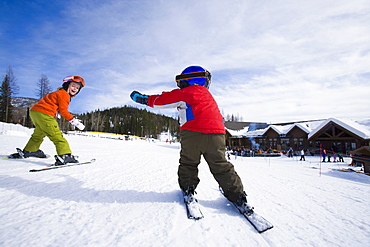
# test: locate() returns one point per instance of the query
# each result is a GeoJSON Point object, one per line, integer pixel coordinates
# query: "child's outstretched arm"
{"type": "Point", "coordinates": [173, 99]}
{"type": "Point", "coordinates": [139, 98]}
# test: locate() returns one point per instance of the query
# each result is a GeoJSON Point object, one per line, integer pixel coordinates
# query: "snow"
{"type": "Point", "coordinates": [14, 129]}
{"type": "Point", "coordinates": [130, 197]}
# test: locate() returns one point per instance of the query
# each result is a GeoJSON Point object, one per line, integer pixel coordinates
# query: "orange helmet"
{"type": "Point", "coordinates": [74, 78]}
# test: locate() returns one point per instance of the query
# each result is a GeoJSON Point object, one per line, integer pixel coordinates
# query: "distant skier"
{"type": "Point", "coordinates": [329, 156]}
{"type": "Point", "coordinates": [323, 153]}
{"type": "Point", "coordinates": [302, 155]}
{"type": "Point", "coordinates": [290, 153]}
{"type": "Point", "coordinates": [43, 116]}
{"type": "Point", "coordinates": [340, 156]}
{"type": "Point", "coordinates": [202, 133]}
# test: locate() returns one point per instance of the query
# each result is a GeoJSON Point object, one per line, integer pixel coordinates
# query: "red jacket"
{"type": "Point", "coordinates": [198, 111]}
{"type": "Point", "coordinates": [54, 102]}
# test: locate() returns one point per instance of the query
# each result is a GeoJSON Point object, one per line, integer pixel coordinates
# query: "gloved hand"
{"type": "Point", "coordinates": [139, 98]}
{"type": "Point", "coordinates": [77, 123]}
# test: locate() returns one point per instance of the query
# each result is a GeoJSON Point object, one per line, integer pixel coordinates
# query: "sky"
{"type": "Point", "coordinates": [271, 61]}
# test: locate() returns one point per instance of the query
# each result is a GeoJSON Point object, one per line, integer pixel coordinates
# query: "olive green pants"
{"type": "Point", "coordinates": [212, 147]}
{"type": "Point", "coordinates": [46, 125]}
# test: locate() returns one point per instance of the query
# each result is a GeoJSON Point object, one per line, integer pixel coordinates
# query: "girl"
{"type": "Point", "coordinates": [43, 117]}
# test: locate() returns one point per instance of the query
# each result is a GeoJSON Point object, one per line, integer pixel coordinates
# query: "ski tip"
{"type": "Point", "coordinates": [261, 231]}
{"type": "Point", "coordinates": [196, 218]}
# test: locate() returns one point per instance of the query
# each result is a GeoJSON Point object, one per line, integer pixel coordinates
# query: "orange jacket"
{"type": "Point", "coordinates": [54, 102]}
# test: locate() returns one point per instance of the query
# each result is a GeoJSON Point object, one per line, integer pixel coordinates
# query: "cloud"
{"type": "Point", "coordinates": [270, 61]}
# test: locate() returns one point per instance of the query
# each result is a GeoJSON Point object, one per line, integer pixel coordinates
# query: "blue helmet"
{"type": "Point", "coordinates": [194, 75]}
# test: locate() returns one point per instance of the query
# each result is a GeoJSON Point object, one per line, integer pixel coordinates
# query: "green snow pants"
{"type": "Point", "coordinates": [46, 125]}
{"type": "Point", "coordinates": [212, 147]}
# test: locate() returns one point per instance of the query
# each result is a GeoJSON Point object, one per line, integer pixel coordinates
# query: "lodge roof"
{"type": "Point", "coordinates": [241, 125]}
{"type": "Point", "coordinates": [356, 128]}
{"type": "Point", "coordinates": [364, 150]}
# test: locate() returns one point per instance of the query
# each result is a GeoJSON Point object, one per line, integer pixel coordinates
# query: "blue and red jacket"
{"type": "Point", "coordinates": [198, 111]}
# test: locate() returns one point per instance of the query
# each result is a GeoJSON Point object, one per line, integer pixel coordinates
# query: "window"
{"type": "Point", "coordinates": [298, 142]}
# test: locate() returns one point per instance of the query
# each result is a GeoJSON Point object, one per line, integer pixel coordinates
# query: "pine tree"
{"type": "Point", "coordinates": [43, 86]}
{"type": "Point", "coordinates": [8, 88]}
{"type": "Point", "coordinates": [5, 105]}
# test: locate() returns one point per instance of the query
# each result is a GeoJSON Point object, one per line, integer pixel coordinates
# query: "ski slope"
{"type": "Point", "coordinates": [130, 197]}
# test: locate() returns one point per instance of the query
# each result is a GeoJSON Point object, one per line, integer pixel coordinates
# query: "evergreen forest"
{"type": "Point", "coordinates": [129, 120]}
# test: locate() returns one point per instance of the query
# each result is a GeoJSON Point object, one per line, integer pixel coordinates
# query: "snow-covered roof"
{"type": "Point", "coordinates": [238, 133]}
{"type": "Point", "coordinates": [302, 126]}
{"type": "Point", "coordinates": [255, 133]}
{"type": "Point", "coordinates": [284, 129]}
{"type": "Point", "coordinates": [352, 126]}
{"type": "Point", "coordinates": [280, 129]}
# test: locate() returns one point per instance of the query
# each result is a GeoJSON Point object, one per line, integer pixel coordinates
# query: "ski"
{"type": "Point", "coordinates": [192, 208]}
{"type": "Point", "coordinates": [256, 220]}
{"type": "Point", "coordinates": [62, 166]}
{"type": "Point", "coordinates": [11, 158]}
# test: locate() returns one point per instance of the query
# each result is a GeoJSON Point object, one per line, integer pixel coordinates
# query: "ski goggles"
{"type": "Point", "coordinates": [200, 74]}
{"type": "Point", "coordinates": [75, 78]}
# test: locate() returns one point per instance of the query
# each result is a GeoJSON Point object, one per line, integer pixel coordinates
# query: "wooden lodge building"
{"type": "Point", "coordinates": [337, 135]}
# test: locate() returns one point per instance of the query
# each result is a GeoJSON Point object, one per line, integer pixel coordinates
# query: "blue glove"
{"type": "Point", "coordinates": [139, 98]}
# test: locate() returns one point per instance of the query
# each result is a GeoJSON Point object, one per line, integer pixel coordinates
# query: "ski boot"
{"type": "Point", "coordinates": [21, 154]}
{"type": "Point", "coordinates": [64, 159]}
{"type": "Point", "coordinates": [14, 156]}
{"type": "Point", "coordinates": [38, 154]}
{"type": "Point", "coordinates": [189, 194]}
{"type": "Point", "coordinates": [243, 206]}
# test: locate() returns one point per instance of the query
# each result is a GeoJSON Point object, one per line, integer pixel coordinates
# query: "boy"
{"type": "Point", "coordinates": [202, 133]}
{"type": "Point", "coordinates": [43, 116]}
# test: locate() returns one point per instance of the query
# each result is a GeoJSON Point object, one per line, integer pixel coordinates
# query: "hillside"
{"type": "Point", "coordinates": [21, 102]}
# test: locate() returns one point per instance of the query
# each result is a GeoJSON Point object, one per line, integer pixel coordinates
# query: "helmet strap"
{"type": "Point", "coordinates": [66, 85]}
